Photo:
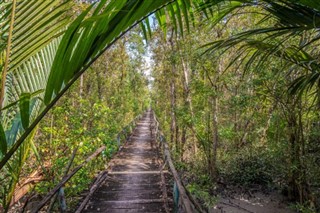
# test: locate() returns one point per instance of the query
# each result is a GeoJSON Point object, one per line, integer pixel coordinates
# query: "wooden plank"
{"type": "Point", "coordinates": [135, 201]}
{"type": "Point", "coordinates": [127, 195]}
{"type": "Point", "coordinates": [136, 172]}
{"type": "Point", "coordinates": [127, 206]}
{"type": "Point", "coordinates": [136, 178]}
{"type": "Point", "coordinates": [118, 187]}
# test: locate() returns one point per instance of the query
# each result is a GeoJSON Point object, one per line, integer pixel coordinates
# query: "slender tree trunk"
{"type": "Point", "coordinates": [215, 125]}
{"type": "Point", "coordinates": [215, 136]}
{"type": "Point", "coordinates": [51, 135]}
{"type": "Point", "coordinates": [235, 116]}
{"type": "Point", "coordinates": [263, 138]}
{"type": "Point", "coordinates": [208, 147]}
{"type": "Point", "coordinates": [293, 192]}
{"type": "Point", "coordinates": [99, 84]}
{"type": "Point", "coordinates": [173, 126]}
{"type": "Point", "coordinates": [305, 194]}
{"type": "Point", "coordinates": [81, 86]}
{"type": "Point", "coordinates": [298, 186]}
{"type": "Point", "coordinates": [177, 140]}
{"type": "Point", "coordinates": [183, 141]}
{"type": "Point", "coordinates": [173, 106]}
{"type": "Point", "coordinates": [188, 98]}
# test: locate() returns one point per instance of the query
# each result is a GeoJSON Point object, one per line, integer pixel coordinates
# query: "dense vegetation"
{"type": "Point", "coordinates": [91, 115]}
{"type": "Point", "coordinates": [235, 85]}
{"type": "Point", "coordinates": [232, 116]}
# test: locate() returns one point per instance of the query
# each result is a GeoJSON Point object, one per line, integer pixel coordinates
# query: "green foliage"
{"type": "Point", "coordinates": [250, 170]}
{"type": "Point", "coordinates": [219, 110]}
{"type": "Point", "coordinates": [247, 108]}
{"type": "Point", "coordinates": [3, 142]}
{"type": "Point", "coordinates": [91, 115]}
{"type": "Point", "coordinates": [202, 190]}
{"type": "Point", "coordinates": [303, 208]}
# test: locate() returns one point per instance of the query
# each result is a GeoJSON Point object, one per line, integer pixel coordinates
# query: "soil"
{"type": "Point", "coordinates": [248, 202]}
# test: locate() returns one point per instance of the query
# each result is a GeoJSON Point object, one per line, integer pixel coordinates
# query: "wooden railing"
{"type": "Point", "coordinates": [124, 134]}
{"type": "Point", "coordinates": [121, 138]}
{"type": "Point", "coordinates": [184, 201]}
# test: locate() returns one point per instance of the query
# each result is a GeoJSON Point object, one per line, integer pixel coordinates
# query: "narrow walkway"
{"type": "Point", "coordinates": [135, 183]}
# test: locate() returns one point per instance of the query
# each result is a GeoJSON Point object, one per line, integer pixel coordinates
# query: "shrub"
{"type": "Point", "coordinates": [250, 170]}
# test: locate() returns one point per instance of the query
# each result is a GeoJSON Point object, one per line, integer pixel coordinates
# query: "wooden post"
{"type": "Point", "coordinates": [100, 178]}
{"type": "Point", "coordinates": [62, 200]}
{"type": "Point", "coordinates": [118, 140]}
{"type": "Point", "coordinates": [63, 205]}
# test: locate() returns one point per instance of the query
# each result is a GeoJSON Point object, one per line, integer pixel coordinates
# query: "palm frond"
{"type": "Point", "coordinates": [85, 40]}
{"type": "Point", "coordinates": [94, 34]}
{"type": "Point", "coordinates": [292, 19]}
{"type": "Point", "coordinates": [36, 24]}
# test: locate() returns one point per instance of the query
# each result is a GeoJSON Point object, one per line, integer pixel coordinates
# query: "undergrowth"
{"type": "Point", "coordinates": [249, 170]}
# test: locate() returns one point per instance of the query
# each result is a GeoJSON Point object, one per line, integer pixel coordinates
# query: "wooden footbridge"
{"type": "Point", "coordinates": [136, 181]}
{"type": "Point", "coordinates": [140, 177]}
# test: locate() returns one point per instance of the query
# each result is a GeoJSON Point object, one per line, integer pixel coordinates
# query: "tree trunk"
{"type": "Point", "coordinates": [173, 106]}
{"type": "Point", "coordinates": [188, 99]}
{"type": "Point", "coordinates": [177, 140]}
{"type": "Point", "coordinates": [293, 191]}
{"type": "Point", "coordinates": [99, 84]}
{"type": "Point", "coordinates": [173, 126]}
{"type": "Point", "coordinates": [263, 138]}
{"type": "Point", "coordinates": [183, 141]}
{"type": "Point", "coordinates": [298, 186]}
{"type": "Point", "coordinates": [215, 136]}
{"type": "Point", "coordinates": [81, 86]}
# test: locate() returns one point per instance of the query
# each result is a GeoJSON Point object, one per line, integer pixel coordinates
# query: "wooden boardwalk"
{"type": "Point", "coordinates": [136, 182]}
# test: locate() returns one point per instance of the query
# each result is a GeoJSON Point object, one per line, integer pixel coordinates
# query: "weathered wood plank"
{"type": "Point", "coordinates": [127, 195]}
{"type": "Point", "coordinates": [136, 172]}
{"type": "Point", "coordinates": [127, 207]}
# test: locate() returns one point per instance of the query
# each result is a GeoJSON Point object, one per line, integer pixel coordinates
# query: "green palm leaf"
{"type": "Point", "coordinates": [33, 42]}
{"type": "Point", "coordinates": [292, 20]}
{"type": "Point", "coordinates": [86, 38]}
{"type": "Point", "coordinates": [36, 24]}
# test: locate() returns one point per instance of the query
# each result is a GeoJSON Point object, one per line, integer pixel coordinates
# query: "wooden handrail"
{"type": "Point", "coordinates": [183, 195]}
{"type": "Point", "coordinates": [123, 132]}
{"type": "Point", "coordinates": [100, 178]}
{"type": "Point", "coordinates": [65, 179]}
{"type": "Point", "coordinates": [187, 204]}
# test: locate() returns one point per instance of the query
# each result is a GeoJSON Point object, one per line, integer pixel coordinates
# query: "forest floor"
{"type": "Point", "coordinates": [238, 201]}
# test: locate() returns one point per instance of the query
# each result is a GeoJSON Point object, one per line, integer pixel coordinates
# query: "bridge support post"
{"type": "Point", "coordinates": [118, 140]}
